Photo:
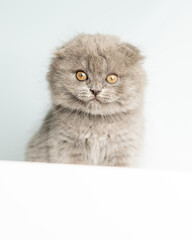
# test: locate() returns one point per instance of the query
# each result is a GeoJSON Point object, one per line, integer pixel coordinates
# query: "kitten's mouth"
{"type": "Point", "coordinates": [94, 100]}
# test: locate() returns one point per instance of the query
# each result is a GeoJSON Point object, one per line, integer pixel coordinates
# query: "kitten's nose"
{"type": "Point", "coordinates": [95, 92]}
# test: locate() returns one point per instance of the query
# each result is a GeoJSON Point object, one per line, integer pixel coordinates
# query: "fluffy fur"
{"type": "Point", "coordinates": [80, 129]}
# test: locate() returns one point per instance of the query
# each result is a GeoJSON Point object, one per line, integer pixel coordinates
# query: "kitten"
{"type": "Point", "coordinates": [97, 85]}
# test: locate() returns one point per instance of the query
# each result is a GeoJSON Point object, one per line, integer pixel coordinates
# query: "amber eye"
{"type": "Point", "coordinates": [112, 78]}
{"type": "Point", "coordinates": [81, 76]}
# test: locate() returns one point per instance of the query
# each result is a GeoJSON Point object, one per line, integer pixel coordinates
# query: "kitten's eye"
{"type": "Point", "coordinates": [81, 76]}
{"type": "Point", "coordinates": [112, 78]}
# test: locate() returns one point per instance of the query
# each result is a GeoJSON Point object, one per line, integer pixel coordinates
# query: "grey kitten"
{"type": "Point", "coordinates": [97, 86]}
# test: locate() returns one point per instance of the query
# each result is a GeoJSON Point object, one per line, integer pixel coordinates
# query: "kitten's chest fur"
{"type": "Point", "coordinates": [89, 139]}
{"type": "Point", "coordinates": [94, 140]}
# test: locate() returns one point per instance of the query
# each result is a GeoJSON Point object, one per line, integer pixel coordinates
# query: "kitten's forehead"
{"type": "Point", "coordinates": [98, 54]}
{"type": "Point", "coordinates": [96, 64]}
{"type": "Point", "coordinates": [97, 51]}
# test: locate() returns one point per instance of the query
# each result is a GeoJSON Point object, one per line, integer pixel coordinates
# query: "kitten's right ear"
{"type": "Point", "coordinates": [59, 52]}
{"type": "Point", "coordinates": [57, 56]}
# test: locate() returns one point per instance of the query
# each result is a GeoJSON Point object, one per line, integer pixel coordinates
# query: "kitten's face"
{"type": "Point", "coordinates": [97, 74]}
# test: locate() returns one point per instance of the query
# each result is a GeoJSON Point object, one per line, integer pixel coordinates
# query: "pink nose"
{"type": "Point", "coordinates": [95, 92]}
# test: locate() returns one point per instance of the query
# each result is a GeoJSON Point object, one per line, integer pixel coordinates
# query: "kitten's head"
{"type": "Point", "coordinates": [97, 74]}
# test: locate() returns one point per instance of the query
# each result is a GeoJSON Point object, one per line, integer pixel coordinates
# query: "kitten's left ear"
{"type": "Point", "coordinates": [131, 52]}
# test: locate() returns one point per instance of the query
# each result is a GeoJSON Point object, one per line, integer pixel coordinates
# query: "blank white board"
{"type": "Point", "coordinates": [54, 201]}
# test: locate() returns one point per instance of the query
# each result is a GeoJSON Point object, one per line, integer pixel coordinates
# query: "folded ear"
{"type": "Point", "coordinates": [131, 52]}
{"type": "Point", "coordinates": [59, 52]}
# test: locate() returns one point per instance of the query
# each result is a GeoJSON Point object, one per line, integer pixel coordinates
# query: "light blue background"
{"type": "Point", "coordinates": [29, 32]}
